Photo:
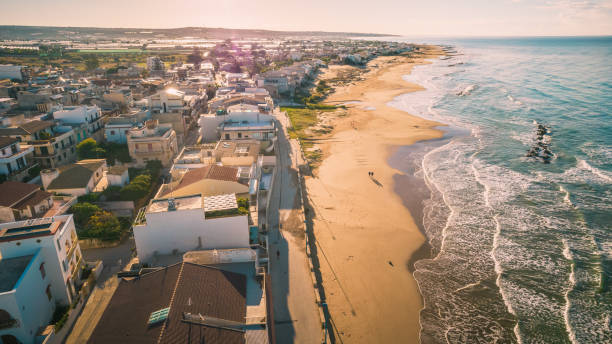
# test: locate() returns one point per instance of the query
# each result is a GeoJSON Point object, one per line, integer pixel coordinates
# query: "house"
{"type": "Point", "coordinates": [189, 303]}
{"type": "Point", "coordinates": [186, 223]}
{"type": "Point", "coordinates": [86, 120]}
{"type": "Point", "coordinates": [153, 141]}
{"type": "Point", "coordinates": [75, 179]}
{"type": "Point", "coordinates": [15, 160]}
{"type": "Point", "coordinates": [155, 64]}
{"type": "Point", "coordinates": [19, 201]}
{"type": "Point", "coordinates": [12, 72]}
{"type": "Point", "coordinates": [210, 180]}
{"type": "Point", "coordinates": [168, 107]}
{"type": "Point", "coordinates": [237, 125]}
{"type": "Point", "coordinates": [40, 265]}
{"type": "Point", "coordinates": [117, 175]}
{"type": "Point", "coordinates": [53, 145]}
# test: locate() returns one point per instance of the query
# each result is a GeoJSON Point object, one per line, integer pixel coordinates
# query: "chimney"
{"type": "Point", "coordinates": [47, 176]}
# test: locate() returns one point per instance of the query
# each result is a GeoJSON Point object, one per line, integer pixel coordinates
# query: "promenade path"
{"type": "Point", "coordinates": [296, 314]}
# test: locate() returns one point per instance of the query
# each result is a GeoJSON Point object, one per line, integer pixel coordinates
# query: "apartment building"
{"type": "Point", "coordinates": [40, 265]}
{"type": "Point", "coordinates": [86, 121]}
{"type": "Point", "coordinates": [15, 159]}
{"type": "Point", "coordinates": [181, 224]}
{"type": "Point", "coordinates": [153, 141]}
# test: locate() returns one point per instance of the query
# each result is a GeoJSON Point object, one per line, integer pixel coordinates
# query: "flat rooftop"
{"type": "Point", "coordinates": [29, 229]}
{"type": "Point", "coordinates": [11, 270]}
{"type": "Point", "coordinates": [180, 203]}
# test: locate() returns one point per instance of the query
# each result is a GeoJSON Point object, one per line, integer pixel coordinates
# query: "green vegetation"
{"type": "Point", "coordinates": [95, 223]}
{"type": "Point", "coordinates": [90, 149]}
{"type": "Point", "coordinates": [102, 225]}
{"type": "Point", "coordinates": [138, 188]}
{"type": "Point", "coordinates": [82, 212]}
{"type": "Point", "coordinates": [60, 316]}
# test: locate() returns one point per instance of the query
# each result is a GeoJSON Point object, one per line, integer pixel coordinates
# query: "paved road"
{"type": "Point", "coordinates": [297, 317]}
{"type": "Point", "coordinates": [114, 260]}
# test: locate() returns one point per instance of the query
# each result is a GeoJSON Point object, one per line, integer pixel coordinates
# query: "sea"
{"type": "Point", "coordinates": [516, 199]}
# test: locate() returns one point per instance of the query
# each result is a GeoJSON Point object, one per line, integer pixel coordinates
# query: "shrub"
{"type": "Point", "coordinates": [103, 225]}
{"type": "Point", "coordinates": [83, 212]}
{"type": "Point", "coordinates": [60, 316]}
{"type": "Point", "coordinates": [89, 149]}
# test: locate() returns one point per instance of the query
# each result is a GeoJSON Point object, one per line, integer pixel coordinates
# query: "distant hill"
{"type": "Point", "coordinates": [8, 32]}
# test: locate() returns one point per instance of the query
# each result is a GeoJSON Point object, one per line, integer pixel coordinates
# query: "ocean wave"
{"type": "Point", "coordinates": [600, 175]}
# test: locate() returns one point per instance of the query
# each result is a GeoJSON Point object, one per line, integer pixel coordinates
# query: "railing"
{"type": "Point", "coordinates": [72, 248]}
{"type": "Point", "coordinates": [66, 206]}
{"type": "Point", "coordinates": [140, 219]}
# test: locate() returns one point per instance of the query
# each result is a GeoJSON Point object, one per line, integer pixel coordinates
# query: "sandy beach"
{"type": "Point", "coordinates": [365, 235]}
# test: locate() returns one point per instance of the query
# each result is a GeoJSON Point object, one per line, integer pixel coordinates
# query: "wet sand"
{"type": "Point", "coordinates": [366, 235]}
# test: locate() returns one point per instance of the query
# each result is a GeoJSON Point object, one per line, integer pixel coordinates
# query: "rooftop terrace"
{"type": "Point", "coordinates": [29, 229]}
{"type": "Point", "coordinates": [11, 270]}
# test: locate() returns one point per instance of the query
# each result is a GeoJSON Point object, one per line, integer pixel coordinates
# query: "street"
{"type": "Point", "coordinates": [297, 317]}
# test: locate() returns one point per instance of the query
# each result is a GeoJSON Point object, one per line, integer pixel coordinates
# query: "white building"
{"type": "Point", "coordinates": [15, 160]}
{"type": "Point", "coordinates": [40, 262]}
{"type": "Point", "coordinates": [181, 224]}
{"type": "Point", "coordinates": [11, 72]}
{"type": "Point", "coordinates": [237, 125]}
{"type": "Point", "coordinates": [76, 179]}
{"type": "Point", "coordinates": [117, 132]}
{"type": "Point", "coordinates": [83, 114]}
{"type": "Point", "coordinates": [154, 63]}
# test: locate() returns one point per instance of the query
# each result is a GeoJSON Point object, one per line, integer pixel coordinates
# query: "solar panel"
{"type": "Point", "coordinates": [159, 316]}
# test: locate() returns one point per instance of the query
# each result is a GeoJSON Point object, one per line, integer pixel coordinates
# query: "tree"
{"type": "Point", "coordinates": [195, 57]}
{"type": "Point", "coordinates": [82, 212]}
{"type": "Point", "coordinates": [137, 188]}
{"type": "Point", "coordinates": [92, 63]}
{"type": "Point", "coordinates": [103, 225]}
{"type": "Point", "coordinates": [89, 149]}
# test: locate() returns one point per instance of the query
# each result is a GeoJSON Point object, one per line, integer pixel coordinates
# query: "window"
{"type": "Point", "coordinates": [150, 147]}
{"type": "Point", "coordinates": [112, 132]}
{"type": "Point", "coordinates": [136, 146]}
{"type": "Point", "coordinates": [239, 135]}
{"type": "Point", "coordinates": [48, 291]}
{"type": "Point", "coordinates": [43, 273]}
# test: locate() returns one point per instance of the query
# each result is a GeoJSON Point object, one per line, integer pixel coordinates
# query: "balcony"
{"type": "Point", "coordinates": [72, 248]}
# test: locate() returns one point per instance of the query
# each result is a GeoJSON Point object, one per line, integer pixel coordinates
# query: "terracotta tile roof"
{"type": "Point", "coordinates": [13, 192]}
{"type": "Point", "coordinates": [6, 141]}
{"type": "Point", "coordinates": [32, 200]}
{"type": "Point", "coordinates": [27, 128]}
{"type": "Point", "coordinates": [197, 289]}
{"type": "Point", "coordinates": [208, 172]}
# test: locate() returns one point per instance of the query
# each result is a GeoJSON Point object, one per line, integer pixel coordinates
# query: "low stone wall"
{"type": "Point", "coordinates": [97, 243]}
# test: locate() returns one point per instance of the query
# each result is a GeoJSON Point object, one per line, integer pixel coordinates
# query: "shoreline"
{"type": "Point", "coordinates": [363, 227]}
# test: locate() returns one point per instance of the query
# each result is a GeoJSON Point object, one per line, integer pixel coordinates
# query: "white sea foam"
{"type": "Point", "coordinates": [566, 198]}
{"type": "Point", "coordinates": [467, 90]}
{"type": "Point", "coordinates": [513, 100]}
{"type": "Point", "coordinates": [605, 176]}
{"type": "Point", "coordinates": [566, 314]}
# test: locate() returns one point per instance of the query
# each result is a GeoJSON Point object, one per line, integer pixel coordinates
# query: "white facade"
{"type": "Point", "coordinates": [187, 228]}
{"type": "Point", "coordinates": [209, 123]}
{"type": "Point", "coordinates": [54, 245]}
{"type": "Point", "coordinates": [83, 114]}
{"type": "Point", "coordinates": [27, 304]}
{"type": "Point", "coordinates": [11, 72]}
{"type": "Point", "coordinates": [117, 132]}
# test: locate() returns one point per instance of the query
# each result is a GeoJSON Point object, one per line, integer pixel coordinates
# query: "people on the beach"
{"type": "Point", "coordinates": [371, 174]}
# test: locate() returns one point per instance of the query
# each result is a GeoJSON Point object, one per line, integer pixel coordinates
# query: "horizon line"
{"type": "Point", "coordinates": [315, 31]}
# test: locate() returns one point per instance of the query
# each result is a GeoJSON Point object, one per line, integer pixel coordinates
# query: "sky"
{"type": "Point", "coordinates": [400, 17]}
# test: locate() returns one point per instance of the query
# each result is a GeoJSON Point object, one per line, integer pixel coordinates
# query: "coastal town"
{"type": "Point", "coordinates": [157, 190]}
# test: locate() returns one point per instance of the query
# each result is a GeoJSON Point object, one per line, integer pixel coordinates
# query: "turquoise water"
{"type": "Point", "coordinates": [522, 244]}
